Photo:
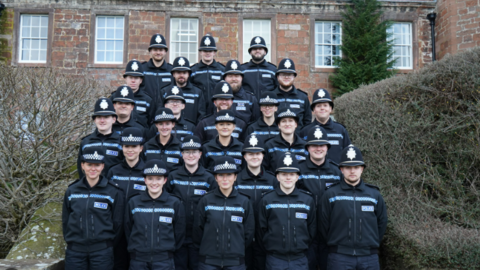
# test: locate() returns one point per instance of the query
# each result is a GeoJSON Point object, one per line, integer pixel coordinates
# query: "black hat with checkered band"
{"type": "Point", "coordinates": [132, 136]}
{"type": "Point", "coordinates": [164, 114]}
{"type": "Point", "coordinates": [191, 142]}
{"type": "Point", "coordinates": [225, 164]}
{"type": "Point", "coordinates": [155, 167]}
{"type": "Point", "coordinates": [93, 155]}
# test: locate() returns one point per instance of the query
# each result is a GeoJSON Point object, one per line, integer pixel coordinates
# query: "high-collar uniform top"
{"type": "Point", "coordinates": [213, 149]}
{"type": "Point", "coordinates": [287, 223]}
{"type": "Point", "coordinates": [183, 128]}
{"type": "Point", "coordinates": [277, 146]}
{"type": "Point", "coordinates": [352, 219]}
{"type": "Point", "coordinates": [195, 104]}
{"type": "Point", "coordinates": [223, 228]}
{"type": "Point", "coordinates": [155, 228]}
{"type": "Point", "coordinates": [258, 78]}
{"type": "Point", "coordinates": [170, 153]}
{"type": "Point", "coordinates": [92, 217]}
{"type": "Point", "coordinates": [245, 105]}
{"type": "Point", "coordinates": [255, 185]}
{"type": "Point", "coordinates": [262, 130]}
{"type": "Point", "coordinates": [155, 78]}
{"type": "Point", "coordinates": [132, 122]}
{"type": "Point", "coordinates": [129, 179]}
{"type": "Point", "coordinates": [190, 188]}
{"type": "Point", "coordinates": [206, 77]}
{"type": "Point", "coordinates": [144, 110]}
{"type": "Point", "coordinates": [110, 144]}
{"type": "Point", "coordinates": [297, 101]}
{"type": "Point", "coordinates": [337, 137]}
{"type": "Point", "coordinates": [206, 130]}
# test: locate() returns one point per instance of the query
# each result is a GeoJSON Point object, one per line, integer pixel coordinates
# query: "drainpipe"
{"type": "Point", "coordinates": [431, 17]}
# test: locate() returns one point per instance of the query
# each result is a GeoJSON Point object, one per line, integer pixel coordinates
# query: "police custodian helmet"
{"type": "Point", "coordinates": [351, 156]}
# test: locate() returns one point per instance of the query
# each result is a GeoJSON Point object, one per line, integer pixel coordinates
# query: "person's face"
{"type": "Point", "coordinates": [268, 110]}
{"type": "Point", "coordinates": [225, 129]}
{"type": "Point", "coordinates": [207, 56]}
{"type": "Point", "coordinates": [132, 152]}
{"type": "Point", "coordinates": [322, 111]}
{"type": "Point", "coordinates": [258, 53]}
{"type": "Point", "coordinates": [123, 109]}
{"type": "Point", "coordinates": [165, 128]}
{"type": "Point", "coordinates": [104, 123]}
{"type": "Point", "coordinates": [286, 79]}
{"type": "Point", "coordinates": [225, 180]}
{"type": "Point", "coordinates": [287, 180]}
{"type": "Point", "coordinates": [287, 125]}
{"type": "Point", "coordinates": [92, 170]}
{"type": "Point", "coordinates": [155, 184]}
{"type": "Point", "coordinates": [235, 81]}
{"type": "Point", "coordinates": [223, 104]}
{"type": "Point", "coordinates": [191, 157]}
{"type": "Point", "coordinates": [175, 105]}
{"type": "Point", "coordinates": [352, 174]}
{"type": "Point", "coordinates": [181, 77]}
{"type": "Point", "coordinates": [157, 54]}
{"type": "Point", "coordinates": [134, 82]}
{"type": "Point", "coordinates": [317, 152]}
{"type": "Point", "coordinates": [253, 160]}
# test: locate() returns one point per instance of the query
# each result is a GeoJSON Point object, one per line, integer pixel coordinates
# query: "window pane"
{"type": "Point", "coordinates": [110, 22]}
{"type": "Point", "coordinates": [110, 33]}
{"type": "Point", "coordinates": [118, 45]}
{"type": "Point", "coordinates": [43, 32]}
{"type": "Point", "coordinates": [26, 20]}
{"type": "Point", "coordinates": [100, 56]}
{"type": "Point", "coordinates": [119, 33]}
{"type": "Point", "coordinates": [43, 55]}
{"type": "Point", "coordinates": [25, 32]}
{"type": "Point", "coordinates": [35, 20]}
{"type": "Point", "coordinates": [109, 56]}
{"type": "Point", "coordinates": [43, 44]}
{"type": "Point", "coordinates": [118, 56]}
{"type": "Point", "coordinates": [119, 23]}
{"type": "Point", "coordinates": [44, 21]}
{"type": "Point", "coordinates": [34, 55]}
{"type": "Point", "coordinates": [26, 55]}
{"type": "Point", "coordinates": [101, 21]}
{"type": "Point", "coordinates": [101, 33]}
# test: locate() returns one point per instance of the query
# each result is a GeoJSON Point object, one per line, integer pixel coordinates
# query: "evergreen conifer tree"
{"type": "Point", "coordinates": [366, 47]}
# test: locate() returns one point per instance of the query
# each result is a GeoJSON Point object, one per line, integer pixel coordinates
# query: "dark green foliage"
{"type": "Point", "coordinates": [365, 49]}
{"type": "Point", "coordinates": [420, 135]}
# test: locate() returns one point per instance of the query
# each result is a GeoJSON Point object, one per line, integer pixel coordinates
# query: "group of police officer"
{"type": "Point", "coordinates": [219, 167]}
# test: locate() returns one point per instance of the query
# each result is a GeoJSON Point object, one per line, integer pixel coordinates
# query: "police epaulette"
{"type": "Point", "coordinates": [220, 63]}
{"type": "Point", "coordinates": [208, 115]}
{"type": "Point", "coordinates": [269, 172]}
{"type": "Point", "coordinates": [176, 196]}
{"type": "Point", "coordinates": [113, 184]}
{"type": "Point", "coordinates": [188, 120]}
{"type": "Point", "coordinates": [264, 142]}
{"type": "Point", "coordinates": [85, 136]}
{"type": "Point", "coordinates": [266, 192]}
{"type": "Point", "coordinates": [335, 121]}
{"type": "Point", "coordinates": [74, 182]}
{"type": "Point", "coordinates": [133, 195]}
{"type": "Point", "coordinates": [209, 192]}
{"type": "Point", "coordinates": [302, 91]}
{"type": "Point", "coordinates": [334, 184]}
{"type": "Point", "coordinates": [333, 162]}
{"type": "Point", "coordinates": [272, 64]}
{"type": "Point", "coordinates": [243, 194]}
{"type": "Point", "coordinates": [306, 192]}
{"type": "Point", "coordinates": [372, 186]}
{"type": "Point", "coordinates": [251, 93]}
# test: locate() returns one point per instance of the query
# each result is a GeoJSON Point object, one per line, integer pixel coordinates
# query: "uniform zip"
{"type": "Point", "coordinates": [128, 183]}
{"type": "Point", "coordinates": [354, 219]}
{"type": "Point", "coordinates": [360, 230]}
{"type": "Point", "coordinates": [288, 228]}
{"type": "Point", "coordinates": [223, 228]}
{"type": "Point", "coordinates": [86, 211]}
{"type": "Point", "coordinates": [151, 236]}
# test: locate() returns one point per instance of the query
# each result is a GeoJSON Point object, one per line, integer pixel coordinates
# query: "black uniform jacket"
{"type": "Point", "coordinates": [337, 136]}
{"type": "Point", "coordinates": [287, 223]}
{"type": "Point", "coordinates": [206, 77]}
{"type": "Point", "coordinates": [258, 78]}
{"type": "Point", "coordinates": [144, 107]}
{"type": "Point", "coordinates": [170, 153]}
{"type": "Point", "coordinates": [245, 105]}
{"type": "Point", "coordinates": [155, 78]}
{"type": "Point", "coordinates": [195, 104]}
{"type": "Point", "coordinates": [212, 150]}
{"type": "Point", "coordinates": [255, 185]}
{"type": "Point", "coordinates": [92, 217]}
{"type": "Point", "coordinates": [129, 179]}
{"type": "Point", "coordinates": [190, 188]}
{"type": "Point", "coordinates": [262, 130]}
{"type": "Point", "coordinates": [132, 122]}
{"type": "Point", "coordinates": [223, 227]}
{"type": "Point", "coordinates": [110, 145]}
{"type": "Point", "coordinates": [206, 130]}
{"type": "Point", "coordinates": [183, 128]}
{"type": "Point", "coordinates": [277, 145]}
{"type": "Point", "coordinates": [353, 220]}
{"type": "Point", "coordinates": [297, 101]}
{"type": "Point", "coordinates": [155, 228]}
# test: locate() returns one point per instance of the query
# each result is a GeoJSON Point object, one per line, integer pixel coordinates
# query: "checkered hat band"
{"type": "Point", "coordinates": [154, 170]}
{"type": "Point", "coordinates": [270, 100]}
{"type": "Point", "coordinates": [132, 139]}
{"type": "Point", "coordinates": [287, 114]}
{"type": "Point", "coordinates": [224, 118]}
{"type": "Point", "coordinates": [164, 117]}
{"type": "Point", "coordinates": [93, 157]}
{"type": "Point", "coordinates": [191, 144]}
{"type": "Point", "coordinates": [226, 166]}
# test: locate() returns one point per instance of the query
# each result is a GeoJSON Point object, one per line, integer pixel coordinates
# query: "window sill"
{"type": "Point", "coordinates": [107, 65]}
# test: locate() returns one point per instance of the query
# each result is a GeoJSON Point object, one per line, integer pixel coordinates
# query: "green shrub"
{"type": "Point", "coordinates": [420, 137]}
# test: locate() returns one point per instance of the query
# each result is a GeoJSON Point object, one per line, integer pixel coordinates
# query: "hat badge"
{"type": "Point", "coordinates": [158, 39]}
{"type": "Point", "coordinates": [318, 133]}
{"type": "Point", "coordinates": [207, 41]}
{"type": "Point", "coordinates": [258, 40]}
{"type": "Point", "coordinates": [267, 98]}
{"type": "Point", "coordinates": [181, 61]}
{"type": "Point", "coordinates": [191, 141]}
{"type": "Point", "coordinates": [321, 93]}
{"type": "Point", "coordinates": [226, 115]}
{"type": "Point", "coordinates": [103, 104]}
{"type": "Point", "coordinates": [288, 64]}
{"type": "Point", "coordinates": [155, 167]}
{"type": "Point", "coordinates": [351, 153]}
{"type": "Point", "coordinates": [163, 113]}
{"type": "Point", "coordinates": [225, 88]}
{"type": "Point", "coordinates": [234, 65]}
{"type": "Point", "coordinates": [253, 140]}
{"type": "Point", "coordinates": [135, 66]}
{"type": "Point", "coordinates": [130, 137]}
{"type": "Point", "coordinates": [226, 164]}
{"type": "Point", "coordinates": [95, 155]}
{"type": "Point", "coordinates": [175, 90]}
{"type": "Point", "coordinates": [124, 92]}
{"type": "Point", "coordinates": [287, 160]}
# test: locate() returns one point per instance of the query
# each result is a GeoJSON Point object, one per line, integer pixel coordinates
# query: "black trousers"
{"type": "Point", "coordinates": [97, 260]}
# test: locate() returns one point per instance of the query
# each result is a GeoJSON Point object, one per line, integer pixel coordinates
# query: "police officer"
{"type": "Point", "coordinates": [190, 182]}
{"type": "Point", "coordinates": [224, 144]}
{"type": "Point", "coordinates": [265, 126]}
{"type": "Point", "coordinates": [224, 223]}
{"type": "Point", "coordinates": [245, 104]}
{"type": "Point", "coordinates": [353, 217]}
{"type": "Point", "coordinates": [322, 106]}
{"type": "Point", "coordinates": [259, 74]}
{"type": "Point", "coordinates": [317, 173]}
{"type": "Point", "coordinates": [287, 219]}
{"type": "Point", "coordinates": [156, 71]}
{"type": "Point", "coordinates": [92, 215]}
{"type": "Point", "coordinates": [286, 141]}
{"type": "Point", "coordinates": [154, 222]}
{"type": "Point", "coordinates": [207, 72]}
{"type": "Point", "coordinates": [223, 99]}
{"type": "Point", "coordinates": [164, 146]}
{"type": "Point", "coordinates": [124, 104]}
{"type": "Point", "coordinates": [291, 97]}
{"type": "Point", "coordinates": [253, 181]}
{"type": "Point", "coordinates": [175, 101]}
{"type": "Point", "coordinates": [195, 108]}
{"type": "Point", "coordinates": [104, 116]}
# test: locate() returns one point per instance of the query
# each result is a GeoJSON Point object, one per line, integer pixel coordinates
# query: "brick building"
{"type": "Point", "coordinates": [101, 36]}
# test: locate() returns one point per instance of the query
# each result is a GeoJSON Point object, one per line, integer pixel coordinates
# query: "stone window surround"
{"type": "Point", "coordinates": [273, 24]}
{"type": "Point", "coordinates": [191, 15]}
{"type": "Point", "coordinates": [16, 36]}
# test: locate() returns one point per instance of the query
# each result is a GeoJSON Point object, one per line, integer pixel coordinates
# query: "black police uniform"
{"type": "Point", "coordinates": [245, 106]}
{"type": "Point", "coordinates": [183, 128]}
{"type": "Point", "coordinates": [255, 185]}
{"type": "Point", "coordinates": [125, 94]}
{"type": "Point", "coordinates": [297, 101]}
{"type": "Point", "coordinates": [132, 122]}
{"type": "Point", "coordinates": [207, 131]}
{"type": "Point", "coordinates": [214, 150]}
{"type": "Point", "coordinates": [195, 104]}
{"type": "Point", "coordinates": [170, 153]}
{"type": "Point", "coordinates": [315, 179]}
{"type": "Point", "coordinates": [129, 179]}
{"type": "Point", "coordinates": [156, 78]}
{"type": "Point", "coordinates": [262, 130]}
{"type": "Point", "coordinates": [277, 146]}
{"type": "Point", "coordinates": [206, 77]}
